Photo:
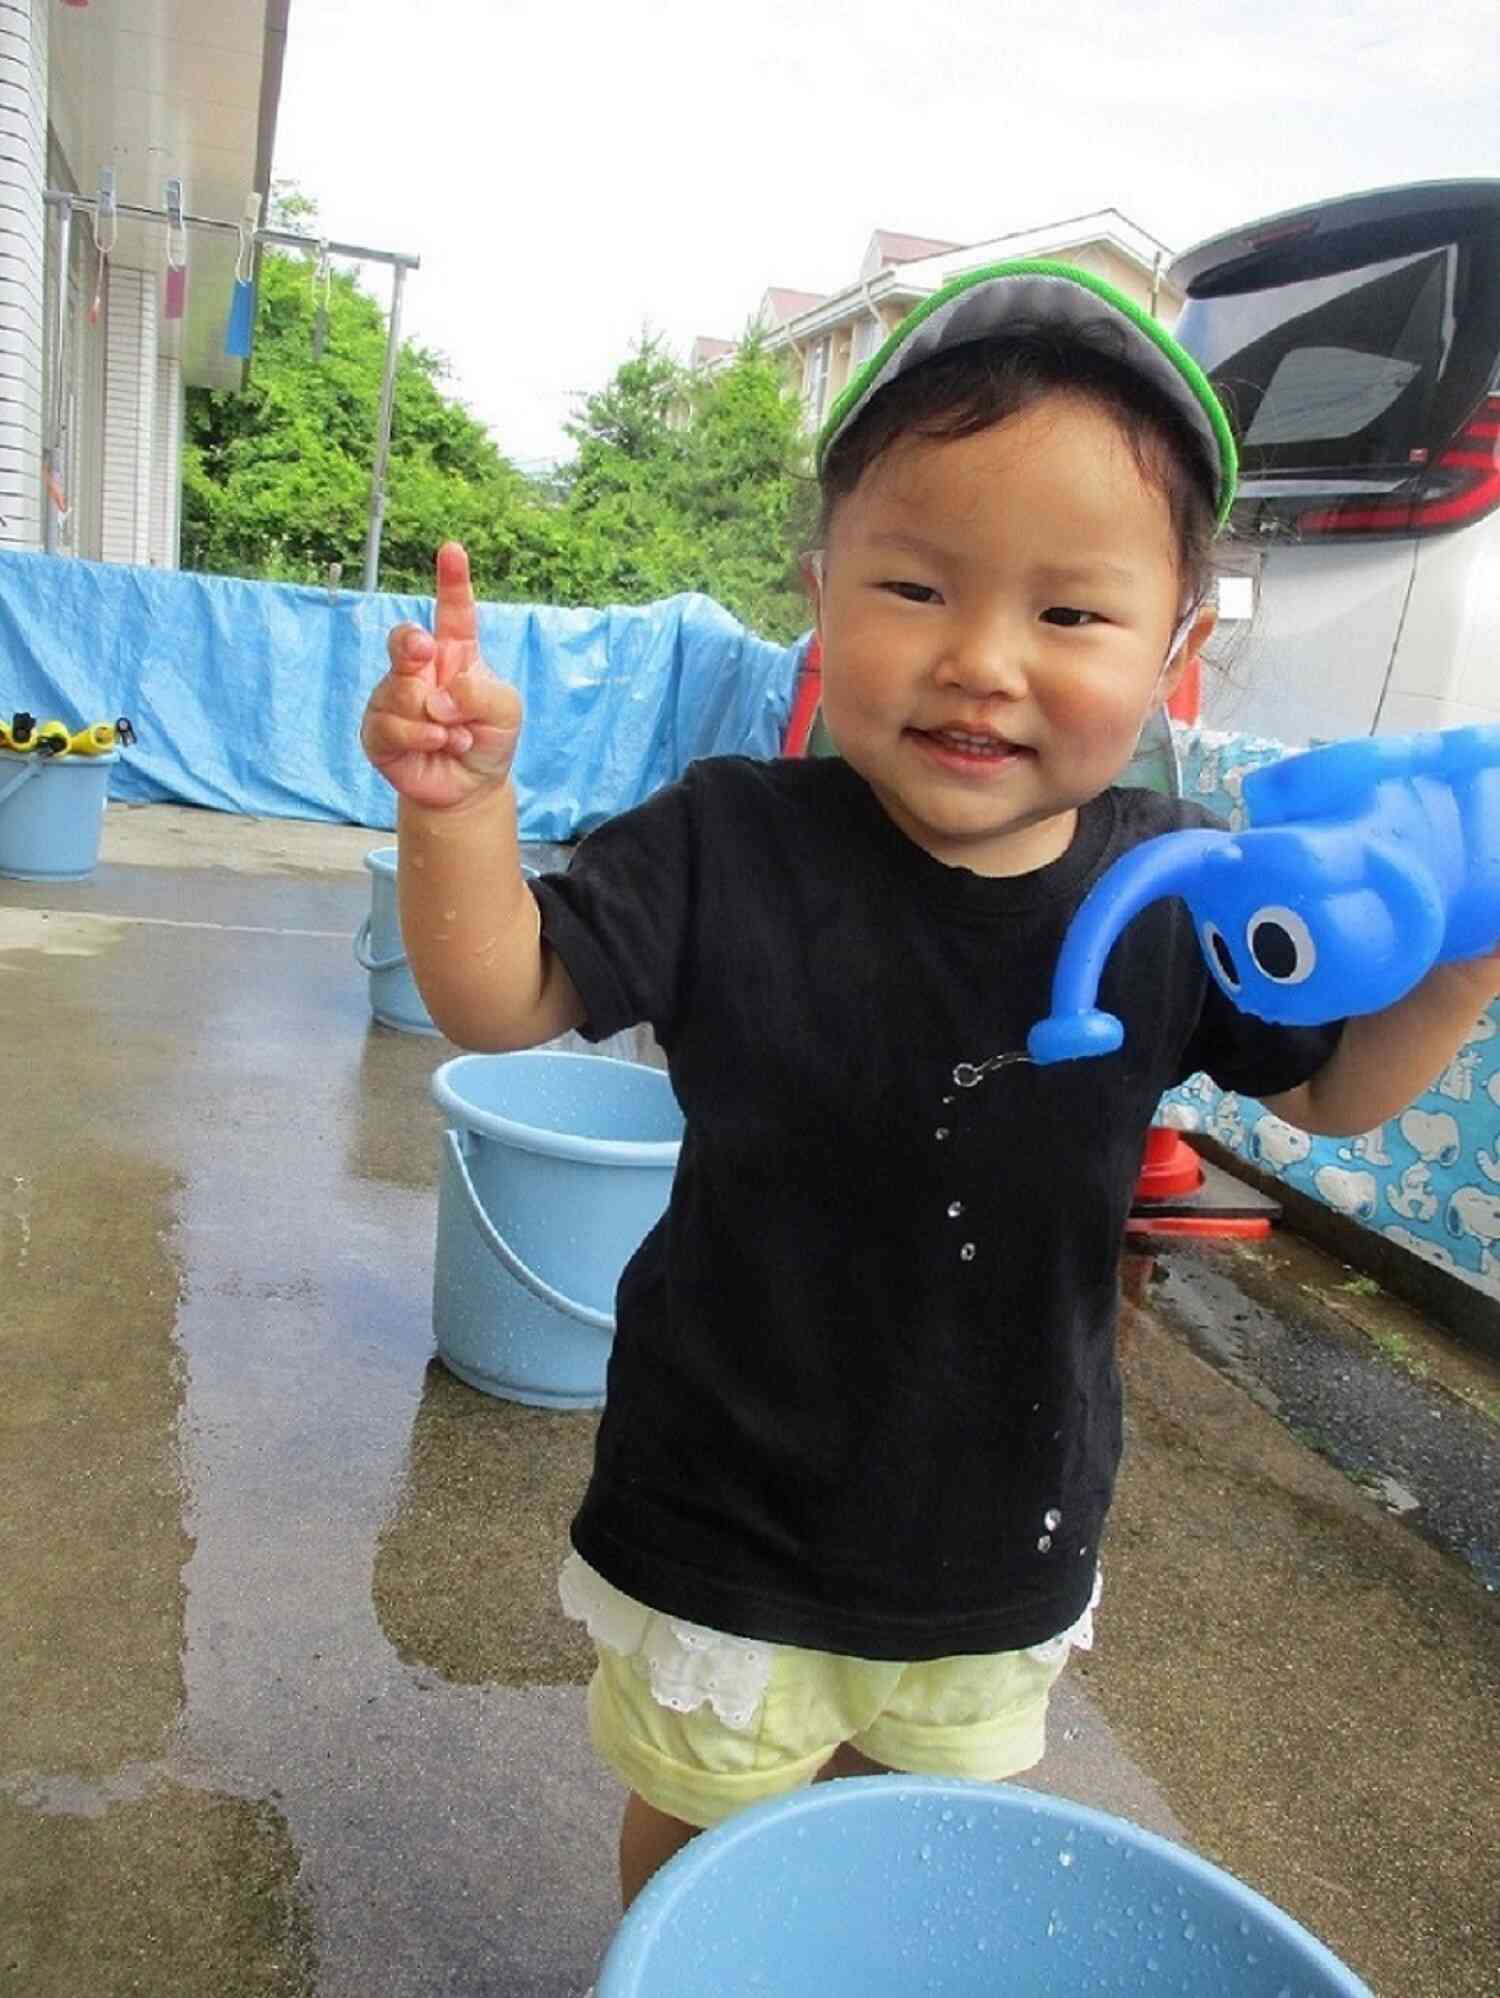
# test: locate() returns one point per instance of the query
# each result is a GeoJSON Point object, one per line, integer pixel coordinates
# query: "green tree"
{"type": "Point", "coordinates": [678, 481]}
{"type": "Point", "coordinates": [693, 482]}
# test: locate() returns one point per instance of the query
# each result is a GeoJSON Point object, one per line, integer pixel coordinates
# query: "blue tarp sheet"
{"type": "Point", "coordinates": [247, 696]}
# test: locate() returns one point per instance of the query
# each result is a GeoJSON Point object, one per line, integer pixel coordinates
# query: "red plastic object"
{"type": "Point", "coordinates": [1243, 1227]}
{"type": "Point", "coordinates": [1170, 1167]}
{"type": "Point", "coordinates": [1183, 706]}
{"type": "Point", "coordinates": [805, 701]}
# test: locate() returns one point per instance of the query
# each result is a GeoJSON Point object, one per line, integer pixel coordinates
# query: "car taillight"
{"type": "Point", "coordinates": [1462, 486]}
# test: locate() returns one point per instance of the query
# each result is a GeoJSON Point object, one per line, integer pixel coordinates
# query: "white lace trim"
{"type": "Point", "coordinates": [686, 1664]}
{"type": "Point", "coordinates": [1078, 1636]}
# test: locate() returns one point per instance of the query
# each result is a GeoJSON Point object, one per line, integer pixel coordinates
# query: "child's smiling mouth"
{"type": "Point", "coordinates": [969, 752]}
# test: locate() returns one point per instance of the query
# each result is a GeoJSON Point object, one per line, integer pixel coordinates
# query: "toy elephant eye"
{"type": "Point", "coordinates": [1218, 949]}
{"type": "Point", "coordinates": [1281, 945]}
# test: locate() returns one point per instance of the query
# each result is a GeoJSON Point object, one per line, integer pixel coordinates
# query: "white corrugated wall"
{"type": "Point", "coordinates": [166, 465]}
{"type": "Point", "coordinates": [130, 359]}
{"type": "Point", "coordinates": [23, 165]}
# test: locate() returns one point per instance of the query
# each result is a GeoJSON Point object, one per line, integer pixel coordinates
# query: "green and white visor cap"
{"type": "Point", "coordinates": [1042, 295]}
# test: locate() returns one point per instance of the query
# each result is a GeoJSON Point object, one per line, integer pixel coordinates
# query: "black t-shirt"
{"type": "Point", "coordinates": [863, 1395]}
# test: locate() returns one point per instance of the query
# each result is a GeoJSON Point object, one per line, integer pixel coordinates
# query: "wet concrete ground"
{"type": "Point", "coordinates": [286, 1703]}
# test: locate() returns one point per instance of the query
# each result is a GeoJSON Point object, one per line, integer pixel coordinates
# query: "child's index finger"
{"type": "Point", "coordinates": [455, 615]}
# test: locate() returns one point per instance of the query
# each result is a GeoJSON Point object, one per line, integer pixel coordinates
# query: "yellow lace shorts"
{"type": "Point", "coordinates": [702, 1724]}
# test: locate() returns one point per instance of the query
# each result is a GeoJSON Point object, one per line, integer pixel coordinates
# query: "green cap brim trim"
{"type": "Point", "coordinates": [1039, 291]}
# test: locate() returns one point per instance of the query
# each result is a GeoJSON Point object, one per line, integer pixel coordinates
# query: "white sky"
{"type": "Point", "coordinates": [570, 171]}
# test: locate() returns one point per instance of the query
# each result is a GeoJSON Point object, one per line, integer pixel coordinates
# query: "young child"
{"type": "Point", "coordinates": [864, 1415]}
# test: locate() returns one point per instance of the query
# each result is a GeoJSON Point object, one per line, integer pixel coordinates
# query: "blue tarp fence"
{"type": "Point", "coordinates": [246, 697]}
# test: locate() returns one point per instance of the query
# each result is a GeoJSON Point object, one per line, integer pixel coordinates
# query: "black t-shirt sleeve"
{"type": "Point", "coordinates": [619, 917]}
{"type": "Point", "coordinates": [1250, 1056]}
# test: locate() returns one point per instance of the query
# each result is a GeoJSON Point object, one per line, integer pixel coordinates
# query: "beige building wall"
{"type": "Point", "coordinates": [1101, 261]}
{"type": "Point", "coordinates": [849, 347]}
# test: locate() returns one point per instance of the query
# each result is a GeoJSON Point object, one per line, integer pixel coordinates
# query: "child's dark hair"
{"type": "Point", "coordinates": [981, 383]}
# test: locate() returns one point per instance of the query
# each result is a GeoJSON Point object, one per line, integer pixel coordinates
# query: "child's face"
{"type": "Point", "coordinates": [995, 615]}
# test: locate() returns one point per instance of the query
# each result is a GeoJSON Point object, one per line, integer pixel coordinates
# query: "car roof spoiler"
{"type": "Point", "coordinates": [1383, 222]}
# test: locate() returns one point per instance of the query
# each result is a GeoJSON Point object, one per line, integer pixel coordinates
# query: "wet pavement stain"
{"type": "Point", "coordinates": [177, 1895]}
{"type": "Point", "coordinates": [466, 1568]}
{"type": "Point", "coordinates": [93, 1533]}
{"type": "Point", "coordinates": [1310, 1353]}
{"type": "Point", "coordinates": [1316, 1688]}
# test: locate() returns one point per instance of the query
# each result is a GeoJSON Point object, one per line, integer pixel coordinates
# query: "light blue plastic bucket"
{"type": "Point", "coordinates": [878, 1887]}
{"type": "Point", "coordinates": [378, 949]}
{"type": "Point", "coordinates": [554, 1169]}
{"type": "Point", "coordinates": [52, 814]}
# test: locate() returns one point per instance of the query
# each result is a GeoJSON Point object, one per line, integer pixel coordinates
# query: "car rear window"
{"type": "Point", "coordinates": [1366, 371]}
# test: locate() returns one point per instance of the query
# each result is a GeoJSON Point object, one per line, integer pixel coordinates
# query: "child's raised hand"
{"type": "Point", "coordinates": [440, 726]}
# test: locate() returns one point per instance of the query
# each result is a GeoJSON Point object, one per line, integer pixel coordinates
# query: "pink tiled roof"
{"type": "Point", "coordinates": [707, 348]}
{"type": "Point", "coordinates": [791, 304]}
{"type": "Point", "coordinates": [892, 247]}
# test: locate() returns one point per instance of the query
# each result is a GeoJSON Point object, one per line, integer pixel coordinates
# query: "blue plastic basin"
{"type": "Point", "coordinates": [890, 1886]}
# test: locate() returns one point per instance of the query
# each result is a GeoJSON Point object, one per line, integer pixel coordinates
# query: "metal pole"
{"type": "Point", "coordinates": [383, 431]}
{"type": "Point", "coordinates": [288, 239]}
{"type": "Point", "coordinates": [52, 436]}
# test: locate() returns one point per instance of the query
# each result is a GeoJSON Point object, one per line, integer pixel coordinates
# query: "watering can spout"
{"type": "Point", "coordinates": [1168, 865]}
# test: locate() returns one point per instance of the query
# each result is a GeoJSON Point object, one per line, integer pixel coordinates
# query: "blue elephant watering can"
{"type": "Point", "coordinates": [1364, 864]}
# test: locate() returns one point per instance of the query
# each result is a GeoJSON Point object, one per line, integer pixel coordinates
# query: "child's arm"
{"type": "Point", "coordinates": [1385, 1060]}
{"type": "Point", "coordinates": [442, 730]}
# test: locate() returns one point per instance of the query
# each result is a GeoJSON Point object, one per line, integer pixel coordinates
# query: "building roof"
{"type": "Point", "coordinates": [901, 285]}
{"type": "Point", "coordinates": [889, 246]}
{"type": "Point", "coordinates": [781, 304]}
{"type": "Point", "coordinates": [707, 348]}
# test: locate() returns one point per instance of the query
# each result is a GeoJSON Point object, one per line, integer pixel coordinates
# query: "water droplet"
{"type": "Point", "coordinates": [1044, 1545]}
{"type": "Point", "coordinates": [955, 1208]}
{"type": "Point", "coordinates": [968, 1252]}
{"type": "Point", "coordinates": [1052, 1519]}
{"type": "Point", "coordinates": [1083, 1550]}
{"type": "Point", "coordinates": [1065, 1859]}
{"type": "Point", "coordinates": [927, 1852]}
{"type": "Point", "coordinates": [941, 1132]}
{"type": "Point", "coordinates": [950, 1099]}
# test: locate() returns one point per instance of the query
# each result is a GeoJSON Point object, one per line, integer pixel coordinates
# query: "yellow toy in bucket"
{"type": "Point", "coordinates": [101, 738]}
{"type": "Point", "coordinates": [54, 738]}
